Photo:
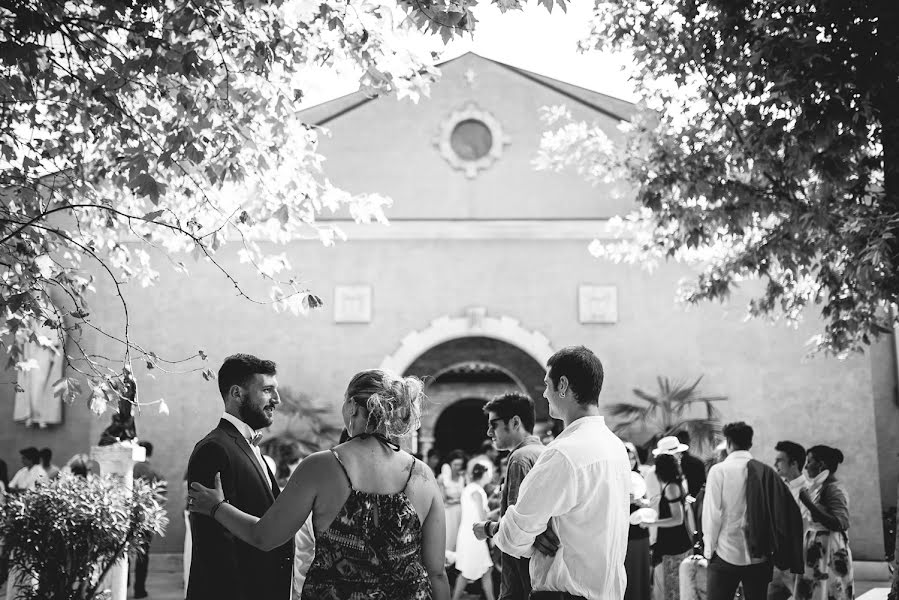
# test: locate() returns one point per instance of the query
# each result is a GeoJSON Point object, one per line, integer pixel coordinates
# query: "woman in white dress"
{"type": "Point", "coordinates": [472, 555]}
{"type": "Point", "coordinates": [451, 482]}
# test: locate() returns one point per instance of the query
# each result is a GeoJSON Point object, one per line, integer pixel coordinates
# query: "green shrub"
{"type": "Point", "coordinates": [63, 537]}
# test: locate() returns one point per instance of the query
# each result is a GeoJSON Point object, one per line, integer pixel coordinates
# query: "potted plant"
{"type": "Point", "coordinates": [65, 536]}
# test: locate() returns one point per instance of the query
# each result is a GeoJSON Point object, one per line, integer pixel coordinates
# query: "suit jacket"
{"type": "Point", "coordinates": [773, 522]}
{"type": "Point", "coordinates": [223, 567]}
{"type": "Point", "coordinates": [694, 471]}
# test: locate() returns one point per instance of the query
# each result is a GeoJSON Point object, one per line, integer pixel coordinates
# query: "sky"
{"type": "Point", "coordinates": [533, 39]}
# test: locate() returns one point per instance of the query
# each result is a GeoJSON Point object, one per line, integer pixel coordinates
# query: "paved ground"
{"type": "Point", "coordinates": [166, 581]}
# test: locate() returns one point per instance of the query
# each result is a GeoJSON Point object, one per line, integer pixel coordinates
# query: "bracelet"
{"type": "Point", "coordinates": [216, 507]}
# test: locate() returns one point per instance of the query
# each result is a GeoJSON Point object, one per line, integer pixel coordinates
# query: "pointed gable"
{"type": "Point", "coordinates": [405, 150]}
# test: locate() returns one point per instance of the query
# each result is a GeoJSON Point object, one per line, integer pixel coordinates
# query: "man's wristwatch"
{"type": "Point", "coordinates": [489, 530]}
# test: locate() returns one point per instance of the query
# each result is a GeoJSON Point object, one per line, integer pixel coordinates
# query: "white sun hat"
{"type": "Point", "coordinates": [643, 515]}
{"type": "Point", "coordinates": [669, 445]}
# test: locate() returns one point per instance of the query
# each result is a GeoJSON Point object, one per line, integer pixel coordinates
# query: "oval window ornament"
{"type": "Point", "coordinates": [471, 140]}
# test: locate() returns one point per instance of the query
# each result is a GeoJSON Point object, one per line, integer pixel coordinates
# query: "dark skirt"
{"type": "Point", "coordinates": [636, 564]}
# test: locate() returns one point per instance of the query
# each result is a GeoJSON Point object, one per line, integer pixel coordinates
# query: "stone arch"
{"type": "Point", "coordinates": [475, 324]}
{"type": "Point", "coordinates": [447, 342]}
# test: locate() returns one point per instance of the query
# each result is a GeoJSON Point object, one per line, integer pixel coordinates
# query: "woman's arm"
{"type": "Point", "coordinates": [832, 511]}
{"type": "Point", "coordinates": [673, 493]}
{"type": "Point", "coordinates": [481, 501]}
{"type": "Point", "coordinates": [433, 541]}
{"type": "Point", "coordinates": [282, 520]}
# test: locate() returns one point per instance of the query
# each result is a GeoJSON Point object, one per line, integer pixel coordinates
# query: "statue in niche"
{"type": "Point", "coordinates": [123, 428]}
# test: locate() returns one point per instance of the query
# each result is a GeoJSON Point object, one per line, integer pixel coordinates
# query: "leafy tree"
{"type": "Point", "coordinates": [769, 149]}
{"type": "Point", "coordinates": [134, 126]}
{"type": "Point", "coordinates": [771, 152]}
{"type": "Point", "coordinates": [670, 410]}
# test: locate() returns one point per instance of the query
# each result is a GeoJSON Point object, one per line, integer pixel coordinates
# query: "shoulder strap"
{"type": "Point", "coordinates": [409, 478]}
{"type": "Point", "coordinates": [679, 498]}
{"type": "Point", "coordinates": [342, 468]}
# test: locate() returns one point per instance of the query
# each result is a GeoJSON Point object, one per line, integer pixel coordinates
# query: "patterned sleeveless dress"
{"type": "Point", "coordinates": [372, 550]}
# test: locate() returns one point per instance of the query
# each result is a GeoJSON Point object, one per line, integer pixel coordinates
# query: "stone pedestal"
{"type": "Point", "coordinates": [118, 459]}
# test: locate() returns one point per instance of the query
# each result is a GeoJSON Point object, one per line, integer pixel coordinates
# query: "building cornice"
{"type": "Point", "coordinates": [477, 229]}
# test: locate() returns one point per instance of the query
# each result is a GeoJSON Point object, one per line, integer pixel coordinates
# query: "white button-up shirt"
{"type": "Point", "coordinates": [724, 510]}
{"type": "Point", "coordinates": [249, 433]}
{"type": "Point", "coordinates": [27, 478]}
{"type": "Point", "coordinates": [581, 484]}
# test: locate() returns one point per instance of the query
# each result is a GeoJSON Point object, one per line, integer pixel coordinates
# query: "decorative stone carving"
{"type": "Point", "coordinates": [448, 328]}
{"type": "Point", "coordinates": [352, 304]}
{"type": "Point", "coordinates": [471, 139]}
{"type": "Point", "coordinates": [598, 304]}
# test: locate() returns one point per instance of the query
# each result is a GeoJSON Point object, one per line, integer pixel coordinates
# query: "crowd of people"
{"type": "Point", "coordinates": [580, 515]}
{"type": "Point", "coordinates": [774, 532]}
{"type": "Point", "coordinates": [546, 521]}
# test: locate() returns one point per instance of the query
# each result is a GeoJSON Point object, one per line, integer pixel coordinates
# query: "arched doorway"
{"type": "Point", "coordinates": [461, 426]}
{"type": "Point", "coordinates": [461, 375]}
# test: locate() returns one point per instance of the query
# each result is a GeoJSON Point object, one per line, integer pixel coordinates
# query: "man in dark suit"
{"type": "Point", "coordinates": [222, 566]}
{"type": "Point", "coordinates": [692, 467]}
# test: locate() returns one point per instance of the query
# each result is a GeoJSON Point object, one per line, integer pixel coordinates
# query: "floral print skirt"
{"type": "Point", "coordinates": [828, 568]}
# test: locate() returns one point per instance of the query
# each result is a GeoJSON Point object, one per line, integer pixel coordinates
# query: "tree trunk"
{"type": "Point", "coordinates": [889, 109]}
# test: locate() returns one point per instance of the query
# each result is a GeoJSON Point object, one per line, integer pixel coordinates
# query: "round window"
{"type": "Point", "coordinates": [471, 139]}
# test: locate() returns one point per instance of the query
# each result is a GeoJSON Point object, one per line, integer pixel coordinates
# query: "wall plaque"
{"type": "Point", "coordinates": [598, 304]}
{"type": "Point", "coordinates": [352, 304]}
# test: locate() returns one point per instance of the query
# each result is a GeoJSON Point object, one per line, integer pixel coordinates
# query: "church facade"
{"type": "Point", "coordinates": [482, 273]}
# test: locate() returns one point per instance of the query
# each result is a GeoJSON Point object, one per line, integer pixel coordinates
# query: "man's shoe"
{"type": "Point", "coordinates": [140, 594]}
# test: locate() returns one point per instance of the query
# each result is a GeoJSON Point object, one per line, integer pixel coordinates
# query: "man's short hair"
{"type": "Point", "coordinates": [31, 453]}
{"type": "Point", "coordinates": [794, 452]}
{"type": "Point", "coordinates": [148, 446]}
{"type": "Point", "coordinates": [583, 370]}
{"type": "Point", "coordinates": [238, 369]}
{"type": "Point", "coordinates": [514, 404]}
{"type": "Point", "coordinates": [46, 455]}
{"type": "Point", "coordinates": [683, 436]}
{"type": "Point", "coordinates": [739, 434]}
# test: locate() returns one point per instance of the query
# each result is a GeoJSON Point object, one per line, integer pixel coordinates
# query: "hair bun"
{"type": "Point", "coordinates": [402, 415]}
{"type": "Point", "coordinates": [838, 456]}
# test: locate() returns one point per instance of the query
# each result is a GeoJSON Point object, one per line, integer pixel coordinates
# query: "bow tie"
{"type": "Point", "coordinates": [254, 441]}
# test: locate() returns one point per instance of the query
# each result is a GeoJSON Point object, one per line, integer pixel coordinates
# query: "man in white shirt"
{"type": "Point", "coordinates": [31, 472]}
{"type": "Point", "coordinates": [578, 488]}
{"type": "Point", "coordinates": [788, 462]}
{"type": "Point", "coordinates": [724, 520]}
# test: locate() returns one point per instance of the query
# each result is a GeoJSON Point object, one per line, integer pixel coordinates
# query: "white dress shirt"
{"type": "Point", "coordinates": [303, 555]}
{"type": "Point", "coordinates": [724, 510]}
{"type": "Point", "coordinates": [26, 478]}
{"type": "Point", "coordinates": [581, 484]}
{"type": "Point", "coordinates": [249, 433]}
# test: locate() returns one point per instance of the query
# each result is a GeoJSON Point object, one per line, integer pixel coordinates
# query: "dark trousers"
{"type": "Point", "coordinates": [554, 596]}
{"type": "Point", "coordinates": [723, 579]}
{"type": "Point", "coordinates": [141, 566]}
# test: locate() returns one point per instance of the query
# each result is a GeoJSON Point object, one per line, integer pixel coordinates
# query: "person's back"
{"type": "Point", "coordinates": [370, 544]}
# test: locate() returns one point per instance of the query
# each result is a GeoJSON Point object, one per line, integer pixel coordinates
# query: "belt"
{"type": "Point", "coordinates": [554, 596]}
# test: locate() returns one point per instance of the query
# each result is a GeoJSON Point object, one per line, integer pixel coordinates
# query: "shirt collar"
{"type": "Point", "coordinates": [736, 454]}
{"type": "Point", "coordinates": [578, 423]}
{"type": "Point", "coordinates": [245, 430]}
{"type": "Point", "coordinates": [527, 441]}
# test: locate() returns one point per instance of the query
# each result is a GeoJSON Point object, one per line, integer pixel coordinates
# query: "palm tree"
{"type": "Point", "coordinates": [669, 411]}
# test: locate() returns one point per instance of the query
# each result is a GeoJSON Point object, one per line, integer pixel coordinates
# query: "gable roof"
{"type": "Point", "coordinates": [615, 108]}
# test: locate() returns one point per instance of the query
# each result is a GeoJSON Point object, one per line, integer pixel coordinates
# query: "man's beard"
{"type": "Point", "coordinates": [252, 416]}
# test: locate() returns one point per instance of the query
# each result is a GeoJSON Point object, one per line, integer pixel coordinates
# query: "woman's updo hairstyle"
{"type": "Point", "coordinates": [393, 403]}
{"type": "Point", "coordinates": [479, 470]}
{"type": "Point", "coordinates": [830, 457]}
